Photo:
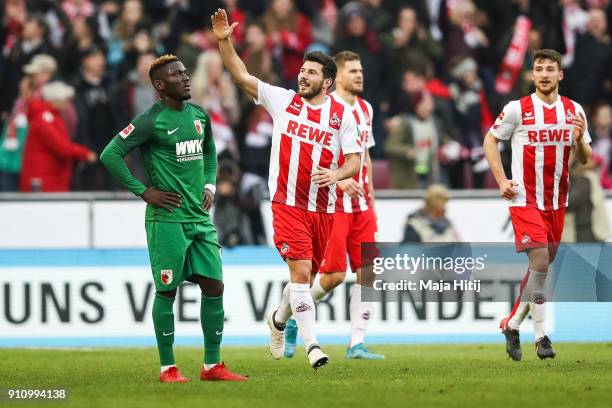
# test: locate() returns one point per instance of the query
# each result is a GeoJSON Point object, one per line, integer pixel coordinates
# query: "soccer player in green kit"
{"type": "Point", "coordinates": [178, 153]}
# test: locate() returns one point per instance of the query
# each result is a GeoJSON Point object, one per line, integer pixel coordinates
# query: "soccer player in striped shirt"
{"type": "Point", "coordinates": [543, 128]}
{"type": "Point", "coordinates": [311, 131]}
{"type": "Point", "coordinates": [354, 219]}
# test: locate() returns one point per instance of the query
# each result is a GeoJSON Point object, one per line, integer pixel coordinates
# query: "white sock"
{"type": "Point", "coordinates": [360, 313]}
{"type": "Point", "coordinates": [303, 309]}
{"type": "Point", "coordinates": [317, 290]}
{"type": "Point", "coordinates": [164, 368]}
{"type": "Point", "coordinates": [519, 315]}
{"type": "Point", "coordinates": [209, 366]}
{"type": "Point", "coordinates": [537, 301]}
{"type": "Point", "coordinates": [283, 313]}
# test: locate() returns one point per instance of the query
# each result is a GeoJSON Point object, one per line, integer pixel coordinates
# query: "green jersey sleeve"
{"type": "Point", "coordinates": [210, 156]}
{"type": "Point", "coordinates": [135, 134]}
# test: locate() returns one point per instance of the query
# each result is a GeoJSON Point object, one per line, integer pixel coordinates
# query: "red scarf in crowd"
{"type": "Point", "coordinates": [515, 55]}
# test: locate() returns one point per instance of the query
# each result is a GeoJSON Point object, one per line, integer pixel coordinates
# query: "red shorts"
{"type": "Point", "coordinates": [535, 228]}
{"type": "Point", "coordinates": [349, 232]}
{"type": "Point", "coordinates": [301, 234]}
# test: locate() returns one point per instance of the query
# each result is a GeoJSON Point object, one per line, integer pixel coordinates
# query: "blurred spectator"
{"type": "Point", "coordinates": [82, 36]}
{"type": "Point", "coordinates": [378, 16]}
{"type": "Point", "coordinates": [590, 76]}
{"type": "Point", "coordinates": [256, 56]}
{"type": "Point", "coordinates": [430, 224]}
{"type": "Point", "coordinates": [140, 94]}
{"type": "Point", "coordinates": [257, 143]}
{"type": "Point", "coordinates": [49, 154]}
{"type": "Point", "coordinates": [289, 33]}
{"type": "Point", "coordinates": [601, 131]}
{"type": "Point", "coordinates": [213, 89]}
{"type": "Point", "coordinates": [324, 23]}
{"type": "Point", "coordinates": [129, 33]}
{"type": "Point", "coordinates": [461, 34]}
{"type": "Point", "coordinates": [75, 9]}
{"type": "Point", "coordinates": [470, 112]}
{"type": "Point", "coordinates": [412, 144]}
{"type": "Point", "coordinates": [575, 19]}
{"type": "Point", "coordinates": [12, 140]}
{"type": "Point", "coordinates": [33, 41]}
{"type": "Point", "coordinates": [409, 43]}
{"type": "Point", "coordinates": [585, 219]}
{"type": "Point", "coordinates": [42, 69]}
{"type": "Point", "coordinates": [354, 34]}
{"type": "Point", "coordinates": [233, 223]}
{"type": "Point", "coordinates": [101, 109]}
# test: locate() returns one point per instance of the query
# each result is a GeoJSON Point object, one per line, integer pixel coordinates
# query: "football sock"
{"type": "Point", "coordinates": [317, 290]}
{"type": "Point", "coordinates": [521, 306]}
{"type": "Point", "coordinates": [212, 320]}
{"type": "Point", "coordinates": [519, 315]}
{"type": "Point", "coordinates": [360, 313]}
{"type": "Point", "coordinates": [163, 322]}
{"type": "Point", "coordinates": [537, 301]}
{"type": "Point", "coordinates": [303, 309]}
{"type": "Point", "coordinates": [283, 313]}
{"type": "Point", "coordinates": [165, 367]}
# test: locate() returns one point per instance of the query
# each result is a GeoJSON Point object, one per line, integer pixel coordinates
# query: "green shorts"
{"type": "Point", "coordinates": [179, 250]}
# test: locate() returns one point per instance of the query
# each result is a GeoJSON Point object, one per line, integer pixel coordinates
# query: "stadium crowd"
{"type": "Point", "coordinates": [437, 72]}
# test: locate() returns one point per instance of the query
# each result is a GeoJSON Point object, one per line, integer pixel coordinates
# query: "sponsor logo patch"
{"type": "Point", "coordinates": [526, 239]}
{"type": "Point", "coordinates": [539, 300]}
{"type": "Point", "coordinates": [189, 150]}
{"type": "Point", "coordinates": [302, 307]}
{"type": "Point", "coordinates": [365, 315]}
{"type": "Point", "coordinates": [126, 132]}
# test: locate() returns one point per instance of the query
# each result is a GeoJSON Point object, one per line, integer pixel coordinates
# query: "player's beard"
{"type": "Point", "coordinates": [356, 89]}
{"type": "Point", "coordinates": [315, 89]}
{"type": "Point", "coordinates": [550, 88]}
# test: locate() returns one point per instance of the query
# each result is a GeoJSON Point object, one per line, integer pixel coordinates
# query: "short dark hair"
{"type": "Point", "coordinates": [548, 54]}
{"type": "Point", "coordinates": [160, 62]}
{"type": "Point", "coordinates": [329, 66]}
{"type": "Point", "coordinates": [344, 56]}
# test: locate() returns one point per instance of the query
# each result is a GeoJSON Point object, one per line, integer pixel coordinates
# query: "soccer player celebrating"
{"type": "Point", "coordinates": [354, 219]}
{"type": "Point", "coordinates": [543, 128]}
{"type": "Point", "coordinates": [311, 131]}
{"type": "Point", "coordinates": [178, 152]}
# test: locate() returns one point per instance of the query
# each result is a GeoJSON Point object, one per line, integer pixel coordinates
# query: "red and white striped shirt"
{"type": "Point", "coordinates": [541, 142]}
{"type": "Point", "coordinates": [363, 113]}
{"type": "Point", "coordinates": [304, 137]}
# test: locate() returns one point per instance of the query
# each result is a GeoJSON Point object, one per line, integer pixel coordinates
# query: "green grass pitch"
{"type": "Point", "coordinates": [412, 376]}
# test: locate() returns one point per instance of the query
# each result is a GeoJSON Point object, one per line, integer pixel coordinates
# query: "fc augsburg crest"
{"type": "Point", "coordinates": [198, 126]}
{"type": "Point", "coordinates": [166, 276]}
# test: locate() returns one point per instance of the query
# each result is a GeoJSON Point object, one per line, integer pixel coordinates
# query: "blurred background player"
{"type": "Point", "coordinates": [543, 128]}
{"type": "Point", "coordinates": [354, 219]}
{"type": "Point", "coordinates": [311, 131]}
{"type": "Point", "coordinates": [178, 151]}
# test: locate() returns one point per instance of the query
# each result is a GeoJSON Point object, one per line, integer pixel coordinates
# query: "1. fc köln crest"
{"type": "Point", "coordinates": [166, 276]}
{"type": "Point", "coordinates": [198, 126]}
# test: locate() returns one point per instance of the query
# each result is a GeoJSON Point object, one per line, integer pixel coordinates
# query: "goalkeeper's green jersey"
{"type": "Point", "coordinates": [178, 153]}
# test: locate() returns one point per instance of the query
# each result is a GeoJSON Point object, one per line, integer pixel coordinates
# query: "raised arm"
{"type": "Point", "coordinates": [231, 60]}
